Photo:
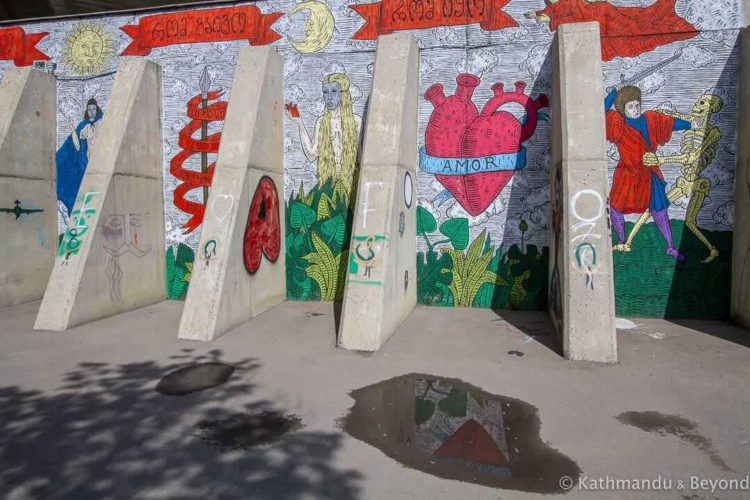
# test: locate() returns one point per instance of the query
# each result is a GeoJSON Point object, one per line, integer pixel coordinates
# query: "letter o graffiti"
{"type": "Point", "coordinates": [599, 210]}
{"type": "Point", "coordinates": [262, 233]}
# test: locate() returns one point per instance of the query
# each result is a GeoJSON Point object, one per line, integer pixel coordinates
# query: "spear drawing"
{"type": "Point", "coordinates": [204, 83]}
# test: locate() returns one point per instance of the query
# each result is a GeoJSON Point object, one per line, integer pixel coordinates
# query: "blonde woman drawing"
{"type": "Point", "coordinates": [336, 138]}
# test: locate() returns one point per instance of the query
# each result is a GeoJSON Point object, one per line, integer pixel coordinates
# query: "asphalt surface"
{"type": "Point", "coordinates": [80, 416]}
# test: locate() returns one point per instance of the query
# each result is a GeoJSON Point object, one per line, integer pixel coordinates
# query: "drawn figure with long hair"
{"type": "Point", "coordinates": [335, 142]}
{"type": "Point", "coordinates": [73, 156]}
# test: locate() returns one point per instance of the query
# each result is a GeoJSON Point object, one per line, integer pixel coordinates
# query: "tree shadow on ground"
{"type": "Point", "coordinates": [106, 433]}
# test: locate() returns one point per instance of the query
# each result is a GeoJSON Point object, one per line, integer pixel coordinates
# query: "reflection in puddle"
{"type": "Point", "coordinates": [194, 378]}
{"type": "Point", "coordinates": [453, 430]}
{"type": "Point", "coordinates": [245, 430]}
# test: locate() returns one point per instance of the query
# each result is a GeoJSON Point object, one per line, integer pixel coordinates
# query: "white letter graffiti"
{"type": "Point", "coordinates": [585, 252]}
{"type": "Point", "coordinates": [366, 201]}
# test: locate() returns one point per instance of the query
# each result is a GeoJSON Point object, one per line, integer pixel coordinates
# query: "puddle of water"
{"type": "Point", "coordinates": [245, 430]}
{"type": "Point", "coordinates": [661, 424]}
{"type": "Point", "coordinates": [194, 378]}
{"type": "Point", "coordinates": [453, 430]}
{"type": "Point", "coordinates": [516, 353]}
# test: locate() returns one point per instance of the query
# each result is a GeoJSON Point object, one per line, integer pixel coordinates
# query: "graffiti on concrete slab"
{"type": "Point", "coordinates": [263, 229]}
{"type": "Point", "coordinates": [583, 235]}
{"type": "Point", "coordinates": [221, 206]}
{"type": "Point", "coordinates": [408, 190]}
{"type": "Point", "coordinates": [79, 225]}
{"type": "Point", "coordinates": [121, 236]}
{"type": "Point", "coordinates": [366, 253]}
{"type": "Point", "coordinates": [209, 251]}
{"type": "Point", "coordinates": [18, 211]}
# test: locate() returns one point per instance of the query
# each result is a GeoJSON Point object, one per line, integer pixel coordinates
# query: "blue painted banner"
{"type": "Point", "coordinates": [465, 166]}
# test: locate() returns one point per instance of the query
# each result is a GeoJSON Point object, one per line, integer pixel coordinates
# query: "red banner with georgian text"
{"type": "Point", "coordinates": [20, 46]}
{"type": "Point", "coordinates": [385, 17]}
{"type": "Point", "coordinates": [196, 26]}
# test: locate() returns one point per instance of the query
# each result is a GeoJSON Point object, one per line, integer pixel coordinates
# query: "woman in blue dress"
{"type": "Point", "coordinates": [73, 156]}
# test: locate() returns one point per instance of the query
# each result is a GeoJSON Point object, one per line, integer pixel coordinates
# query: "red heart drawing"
{"type": "Point", "coordinates": [474, 155]}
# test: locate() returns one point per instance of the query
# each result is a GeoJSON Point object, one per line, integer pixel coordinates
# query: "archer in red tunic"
{"type": "Point", "coordinates": [637, 187]}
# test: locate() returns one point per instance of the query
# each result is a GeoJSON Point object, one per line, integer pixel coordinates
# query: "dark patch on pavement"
{"type": "Point", "coordinates": [194, 378]}
{"type": "Point", "coordinates": [454, 430]}
{"type": "Point", "coordinates": [245, 430]}
{"type": "Point", "coordinates": [314, 314]}
{"type": "Point", "coordinates": [661, 424]}
{"type": "Point", "coordinates": [515, 353]}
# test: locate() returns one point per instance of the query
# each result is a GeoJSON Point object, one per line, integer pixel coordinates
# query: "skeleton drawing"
{"type": "Point", "coordinates": [697, 151]}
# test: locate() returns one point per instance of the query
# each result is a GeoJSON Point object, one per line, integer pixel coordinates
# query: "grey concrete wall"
{"type": "Point", "coordinates": [380, 289]}
{"type": "Point", "coordinates": [223, 292]}
{"type": "Point", "coordinates": [111, 258]}
{"type": "Point", "coordinates": [581, 275]}
{"type": "Point", "coordinates": [28, 199]}
{"type": "Point", "coordinates": [740, 308]}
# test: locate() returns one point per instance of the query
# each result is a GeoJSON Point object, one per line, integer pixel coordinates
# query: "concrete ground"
{"type": "Point", "coordinates": [79, 417]}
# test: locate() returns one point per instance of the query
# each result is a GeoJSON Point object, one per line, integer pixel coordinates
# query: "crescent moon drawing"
{"type": "Point", "coordinates": [318, 29]}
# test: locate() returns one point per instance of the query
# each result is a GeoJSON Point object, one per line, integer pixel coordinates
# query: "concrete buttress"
{"type": "Point", "coordinates": [28, 203]}
{"type": "Point", "coordinates": [581, 296]}
{"type": "Point", "coordinates": [111, 258]}
{"type": "Point", "coordinates": [239, 271]}
{"type": "Point", "coordinates": [380, 289]}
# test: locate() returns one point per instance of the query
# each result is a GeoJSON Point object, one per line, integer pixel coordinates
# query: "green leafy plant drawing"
{"type": "Point", "coordinates": [527, 271]}
{"type": "Point", "coordinates": [324, 207]}
{"type": "Point", "coordinates": [481, 276]}
{"type": "Point", "coordinates": [470, 272]}
{"type": "Point", "coordinates": [301, 216]}
{"type": "Point", "coordinates": [327, 270]}
{"type": "Point", "coordinates": [433, 278]}
{"type": "Point", "coordinates": [334, 229]}
{"type": "Point", "coordinates": [179, 270]}
{"type": "Point", "coordinates": [318, 228]}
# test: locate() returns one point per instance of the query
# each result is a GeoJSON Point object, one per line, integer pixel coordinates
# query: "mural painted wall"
{"type": "Point", "coordinates": [483, 179]}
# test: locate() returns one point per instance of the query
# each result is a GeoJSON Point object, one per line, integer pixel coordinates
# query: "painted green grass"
{"type": "Point", "coordinates": [649, 283]}
{"type": "Point", "coordinates": [476, 273]}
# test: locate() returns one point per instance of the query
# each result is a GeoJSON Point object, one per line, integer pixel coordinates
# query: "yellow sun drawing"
{"type": "Point", "coordinates": [87, 49]}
